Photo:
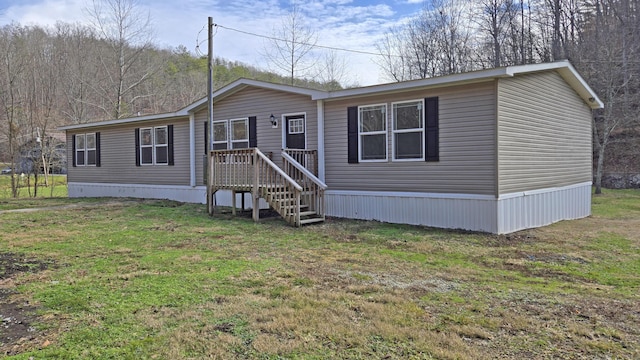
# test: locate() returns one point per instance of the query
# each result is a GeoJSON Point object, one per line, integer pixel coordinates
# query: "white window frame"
{"type": "Point", "coordinates": [226, 134]}
{"type": "Point", "coordinates": [156, 145]}
{"type": "Point", "coordinates": [88, 149]}
{"type": "Point", "coordinates": [395, 131]}
{"type": "Point", "coordinates": [299, 126]}
{"type": "Point", "coordinates": [85, 149]}
{"type": "Point", "coordinates": [145, 146]}
{"type": "Point", "coordinates": [233, 141]}
{"type": "Point", "coordinates": [384, 132]}
{"type": "Point", "coordinates": [153, 146]}
{"type": "Point", "coordinates": [283, 118]}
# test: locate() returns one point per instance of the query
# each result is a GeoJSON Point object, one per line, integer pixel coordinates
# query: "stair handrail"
{"type": "Point", "coordinates": [275, 167]}
{"type": "Point", "coordinates": [304, 170]}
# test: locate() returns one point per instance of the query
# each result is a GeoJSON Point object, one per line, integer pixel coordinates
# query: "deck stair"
{"type": "Point", "coordinates": [295, 192]}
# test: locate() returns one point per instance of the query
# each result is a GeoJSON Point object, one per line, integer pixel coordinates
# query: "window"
{"type": "Point", "coordinates": [161, 145]}
{"type": "Point", "coordinates": [372, 131]}
{"type": "Point", "coordinates": [80, 149]}
{"type": "Point", "coordinates": [86, 149]}
{"type": "Point", "coordinates": [220, 135]}
{"type": "Point", "coordinates": [154, 145]}
{"type": "Point", "coordinates": [296, 126]}
{"type": "Point", "coordinates": [239, 133]}
{"type": "Point", "coordinates": [234, 134]}
{"type": "Point", "coordinates": [146, 146]}
{"type": "Point", "coordinates": [408, 131]}
{"type": "Point", "coordinates": [415, 131]}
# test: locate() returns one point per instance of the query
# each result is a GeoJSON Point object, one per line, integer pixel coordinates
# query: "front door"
{"type": "Point", "coordinates": [295, 131]}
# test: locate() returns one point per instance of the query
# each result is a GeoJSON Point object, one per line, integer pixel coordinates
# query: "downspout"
{"type": "Point", "coordinates": [320, 110]}
{"type": "Point", "coordinates": [192, 150]}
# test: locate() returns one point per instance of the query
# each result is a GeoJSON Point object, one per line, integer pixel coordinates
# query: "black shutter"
{"type": "Point", "coordinates": [352, 134]}
{"type": "Point", "coordinates": [206, 137]}
{"type": "Point", "coordinates": [432, 133]}
{"type": "Point", "coordinates": [170, 144]}
{"type": "Point", "coordinates": [137, 146]}
{"type": "Point", "coordinates": [98, 149]}
{"type": "Point", "coordinates": [253, 136]}
{"type": "Point", "coordinates": [73, 149]}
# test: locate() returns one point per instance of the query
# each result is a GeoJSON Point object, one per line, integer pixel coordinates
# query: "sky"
{"type": "Point", "coordinates": [347, 24]}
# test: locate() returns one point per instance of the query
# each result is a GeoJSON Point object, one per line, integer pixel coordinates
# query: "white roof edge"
{"type": "Point", "coordinates": [408, 85]}
{"type": "Point", "coordinates": [267, 85]}
{"type": "Point", "coordinates": [177, 114]}
{"type": "Point", "coordinates": [564, 68]}
{"type": "Point", "coordinates": [243, 82]}
{"type": "Point", "coordinates": [569, 74]}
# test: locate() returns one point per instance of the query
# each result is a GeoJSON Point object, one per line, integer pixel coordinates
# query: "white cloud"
{"type": "Point", "coordinates": [44, 13]}
{"type": "Point", "coordinates": [338, 23]}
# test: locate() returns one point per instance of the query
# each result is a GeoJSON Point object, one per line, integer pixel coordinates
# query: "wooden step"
{"type": "Point", "coordinates": [311, 220]}
{"type": "Point", "coordinates": [307, 213]}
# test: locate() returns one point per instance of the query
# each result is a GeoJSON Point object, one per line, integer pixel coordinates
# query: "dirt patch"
{"type": "Point", "coordinates": [16, 317]}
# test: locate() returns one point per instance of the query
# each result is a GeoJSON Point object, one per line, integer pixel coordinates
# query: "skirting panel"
{"type": "Point", "coordinates": [509, 213]}
{"type": "Point", "coordinates": [452, 211]}
{"type": "Point", "coordinates": [537, 208]}
{"type": "Point", "coordinates": [186, 194]}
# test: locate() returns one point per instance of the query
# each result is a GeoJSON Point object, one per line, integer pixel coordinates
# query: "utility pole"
{"type": "Point", "coordinates": [210, 80]}
{"type": "Point", "coordinates": [208, 169]}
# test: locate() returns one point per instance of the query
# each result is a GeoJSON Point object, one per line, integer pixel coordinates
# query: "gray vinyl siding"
{"type": "Point", "coordinates": [544, 134]}
{"type": "Point", "coordinates": [467, 146]}
{"type": "Point", "coordinates": [118, 161]}
{"type": "Point", "coordinates": [262, 103]}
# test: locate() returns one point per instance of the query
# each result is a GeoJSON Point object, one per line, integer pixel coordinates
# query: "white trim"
{"type": "Point", "coordinates": [321, 167]}
{"type": "Point", "coordinates": [412, 194]}
{"type": "Point", "coordinates": [543, 191]}
{"type": "Point", "coordinates": [213, 141]}
{"type": "Point", "coordinates": [422, 129]}
{"type": "Point", "coordinates": [156, 117]}
{"type": "Point", "coordinates": [509, 213]}
{"type": "Point", "coordinates": [564, 67]}
{"type": "Point", "coordinates": [192, 150]}
{"type": "Point", "coordinates": [183, 193]}
{"type": "Point", "coordinates": [230, 138]}
{"type": "Point", "coordinates": [284, 127]}
{"type": "Point", "coordinates": [372, 133]}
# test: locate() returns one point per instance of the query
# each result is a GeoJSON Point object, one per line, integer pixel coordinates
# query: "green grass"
{"type": "Point", "coordinates": [57, 187]}
{"type": "Point", "coordinates": [161, 280]}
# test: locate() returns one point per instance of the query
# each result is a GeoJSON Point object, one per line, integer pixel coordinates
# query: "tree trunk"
{"type": "Point", "coordinates": [599, 170]}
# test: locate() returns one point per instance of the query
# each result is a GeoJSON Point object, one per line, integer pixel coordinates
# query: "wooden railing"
{"type": "Point", "coordinates": [249, 170]}
{"type": "Point", "coordinates": [307, 158]}
{"type": "Point", "coordinates": [312, 187]}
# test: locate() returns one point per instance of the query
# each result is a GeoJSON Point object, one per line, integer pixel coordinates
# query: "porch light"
{"type": "Point", "coordinates": [274, 122]}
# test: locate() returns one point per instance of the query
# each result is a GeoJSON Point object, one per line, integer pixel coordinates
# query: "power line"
{"type": "Point", "coordinates": [302, 43]}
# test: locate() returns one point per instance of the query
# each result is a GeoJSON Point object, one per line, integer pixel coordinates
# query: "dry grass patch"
{"type": "Point", "coordinates": [162, 280]}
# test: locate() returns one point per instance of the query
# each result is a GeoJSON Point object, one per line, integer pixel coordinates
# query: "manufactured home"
{"type": "Point", "coordinates": [496, 150]}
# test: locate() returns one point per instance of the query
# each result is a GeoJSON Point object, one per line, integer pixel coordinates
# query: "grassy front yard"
{"type": "Point", "coordinates": [57, 186]}
{"type": "Point", "coordinates": [160, 280]}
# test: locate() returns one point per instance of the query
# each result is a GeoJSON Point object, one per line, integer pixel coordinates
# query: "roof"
{"type": "Point", "coordinates": [564, 68]}
{"type": "Point", "coordinates": [178, 114]}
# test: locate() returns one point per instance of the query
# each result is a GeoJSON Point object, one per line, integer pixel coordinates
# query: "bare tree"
{"type": "Point", "coordinates": [436, 42]}
{"type": "Point", "coordinates": [333, 71]}
{"type": "Point", "coordinates": [607, 47]}
{"type": "Point", "coordinates": [291, 45]}
{"type": "Point", "coordinates": [128, 33]}
{"type": "Point", "coordinates": [13, 67]}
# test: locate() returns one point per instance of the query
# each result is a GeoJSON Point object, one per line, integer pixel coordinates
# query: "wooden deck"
{"type": "Point", "coordinates": [293, 191]}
